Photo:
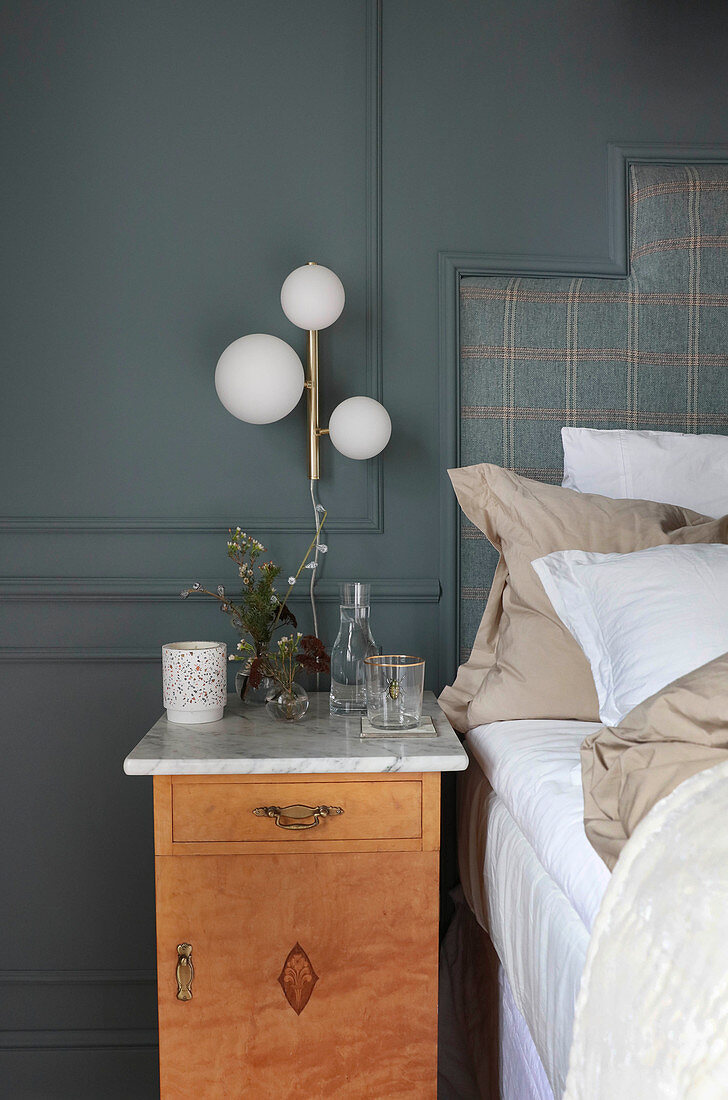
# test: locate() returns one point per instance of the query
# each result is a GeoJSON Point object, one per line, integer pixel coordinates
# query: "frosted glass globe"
{"type": "Point", "coordinates": [360, 427]}
{"type": "Point", "coordinates": [312, 297]}
{"type": "Point", "coordinates": [259, 378]}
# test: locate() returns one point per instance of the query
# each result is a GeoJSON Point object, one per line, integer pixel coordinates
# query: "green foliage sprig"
{"type": "Point", "coordinates": [259, 611]}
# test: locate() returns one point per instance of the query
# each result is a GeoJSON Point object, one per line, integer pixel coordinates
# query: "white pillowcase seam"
{"type": "Point", "coordinates": [626, 469]}
{"type": "Point", "coordinates": [606, 674]}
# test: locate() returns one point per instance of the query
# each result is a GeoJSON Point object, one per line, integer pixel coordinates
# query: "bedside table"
{"type": "Point", "coordinates": [297, 904]}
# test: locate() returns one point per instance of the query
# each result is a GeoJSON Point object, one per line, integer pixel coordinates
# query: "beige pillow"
{"type": "Point", "coordinates": [525, 663]}
{"type": "Point", "coordinates": [626, 769]}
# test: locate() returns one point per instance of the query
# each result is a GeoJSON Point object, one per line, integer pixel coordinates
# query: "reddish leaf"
{"type": "Point", "coordinates": [312, 656]}
{"type": "Point", "coordinates": [255, 676]}
{"type": "Point", "coordinates": [287, 616]}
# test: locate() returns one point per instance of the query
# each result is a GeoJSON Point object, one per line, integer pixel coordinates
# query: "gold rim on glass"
{"type": "Point", "coordinates": [394, 660]}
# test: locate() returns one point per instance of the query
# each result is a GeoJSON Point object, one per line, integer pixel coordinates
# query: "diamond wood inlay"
{"type": "Point", "coordinates": [297, 979]}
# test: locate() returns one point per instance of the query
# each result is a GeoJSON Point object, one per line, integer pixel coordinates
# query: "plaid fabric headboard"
{"type": "Point", "coordinates": [646, 351]}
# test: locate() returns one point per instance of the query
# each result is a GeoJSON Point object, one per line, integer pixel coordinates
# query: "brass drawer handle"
{"type": "Point", "coordinates": [295, 815]}
{"type": "Point", "coordinates": [185, 972]}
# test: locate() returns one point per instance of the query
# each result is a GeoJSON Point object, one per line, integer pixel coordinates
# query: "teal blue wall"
{"type": "Point", "coordinates": [166, 164]}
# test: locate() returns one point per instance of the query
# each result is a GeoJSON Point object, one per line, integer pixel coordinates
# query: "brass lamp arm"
{"type": "Point", "coordinates": [312, 400]}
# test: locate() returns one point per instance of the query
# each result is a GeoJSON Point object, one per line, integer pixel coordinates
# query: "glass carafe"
{"type": "Point", "coordinates": [354, 642]}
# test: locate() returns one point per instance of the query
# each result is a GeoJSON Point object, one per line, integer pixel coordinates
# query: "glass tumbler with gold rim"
{"type": "Point", "coordinates": [394, 686]}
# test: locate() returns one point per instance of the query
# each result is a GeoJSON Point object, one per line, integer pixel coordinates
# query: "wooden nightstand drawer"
{"type": "Point", "coordinates": [219, 810]}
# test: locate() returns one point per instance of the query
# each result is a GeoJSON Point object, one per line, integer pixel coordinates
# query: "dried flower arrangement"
{"type": "Point", "coordinates": [258, 611]}
{"type": "Point", "coordinates": [295, 651]}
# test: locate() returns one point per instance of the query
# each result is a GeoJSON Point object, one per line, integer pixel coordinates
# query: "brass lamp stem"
{"type": "Point", "coordinates": [312, 387]}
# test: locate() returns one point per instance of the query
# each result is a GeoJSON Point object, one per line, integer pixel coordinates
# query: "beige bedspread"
{"type": "Point", "coordinates": [681, 730]}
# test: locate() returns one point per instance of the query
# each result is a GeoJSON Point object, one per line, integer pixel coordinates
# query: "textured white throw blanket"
{"type": "Point", "coordinates": [652, 1014]}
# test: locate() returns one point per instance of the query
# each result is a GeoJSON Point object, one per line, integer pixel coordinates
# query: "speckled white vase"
{"type": "Point", "coordinates": [194, 681]}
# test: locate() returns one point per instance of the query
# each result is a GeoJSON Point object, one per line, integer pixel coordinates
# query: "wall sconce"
{"type": "Point", "coordinates": [260, 379]}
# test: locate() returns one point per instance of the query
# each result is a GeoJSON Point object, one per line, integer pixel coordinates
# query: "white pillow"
{"type": "Point", "coordinates": [642, 619]}
{"type": "Point", "coordinates": [669, 467]}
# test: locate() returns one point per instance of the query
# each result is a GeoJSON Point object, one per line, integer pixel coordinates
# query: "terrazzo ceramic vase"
{"type": "Point", "coordinates": [194, 681]}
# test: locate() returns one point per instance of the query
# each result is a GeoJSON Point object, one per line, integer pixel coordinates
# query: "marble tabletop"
{"type": "Point", "coordinates": [248, 741]}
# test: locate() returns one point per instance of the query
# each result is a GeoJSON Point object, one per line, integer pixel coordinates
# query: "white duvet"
{"type": "Point", "coordinates": [652, 1014]}
{"type": "Point", "coordinates": [534, 768]}
{"type": "Point", "coordinates": [529, 873]}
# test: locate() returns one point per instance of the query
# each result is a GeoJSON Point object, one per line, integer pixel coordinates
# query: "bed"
{"type": "Point", "coordinates": [533, 882]}
{"type": "Point", "coordinates": [646, 351]}
{"type": "Point", "coordinates": [538, 888]}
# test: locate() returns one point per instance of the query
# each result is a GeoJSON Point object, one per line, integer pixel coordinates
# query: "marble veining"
{"type": "Point", "coordinates": [248, 741]}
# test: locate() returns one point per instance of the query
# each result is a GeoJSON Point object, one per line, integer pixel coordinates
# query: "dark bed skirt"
{"type": "Point", "coordinates": [468, 1016]}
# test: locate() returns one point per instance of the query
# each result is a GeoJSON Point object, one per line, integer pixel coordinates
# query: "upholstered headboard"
{"type": "Point", "coordinates": [646, 351]}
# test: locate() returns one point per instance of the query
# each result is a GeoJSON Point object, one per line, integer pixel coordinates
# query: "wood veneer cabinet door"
{"type": "Point", "coordinates": [315, 975]}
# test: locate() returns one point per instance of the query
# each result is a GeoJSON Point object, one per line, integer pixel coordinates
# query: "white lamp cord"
{"type": "Point", "coordinates": [320, 548]}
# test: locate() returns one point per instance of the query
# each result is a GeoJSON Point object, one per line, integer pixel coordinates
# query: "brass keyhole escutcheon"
{"type": "Point", "coordinates": [185, 971]}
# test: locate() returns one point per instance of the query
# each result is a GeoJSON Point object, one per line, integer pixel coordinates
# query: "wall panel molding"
{"type": "Point", "coordinates": [374, 374]}
{"type": "Point", "coordinates": [178, 525]}
{"type": "Point", "coordinates": [129, 997]}
{"type": "Point", "coordinates": [619, 158]}
{"type": "Point", "coordinates": [74, 590]}
{"type": "Point", "coordinates": [76, 977]}
{"type": "Point", "coordinates": [454, 266]}
{"type": "Point", "coordinates": [373, 520]}
{"type": "Point", "coordinates": [66, 654]}
{"type": "Point", "coordinates": [101, 1038]}
{"type": "Point", "coordinates": [164, 589]}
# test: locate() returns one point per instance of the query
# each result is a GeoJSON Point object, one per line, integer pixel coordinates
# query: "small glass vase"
{"type": "Point", "coordinates": [288, 704]}
{"type": "Point", "coordinates": [250, 695]}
